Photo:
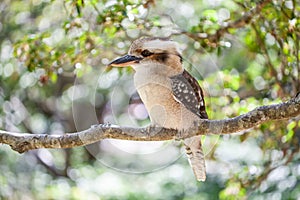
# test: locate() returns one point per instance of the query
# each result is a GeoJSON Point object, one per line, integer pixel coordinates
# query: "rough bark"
{"type": "Point", "coordinates": [22, 142]}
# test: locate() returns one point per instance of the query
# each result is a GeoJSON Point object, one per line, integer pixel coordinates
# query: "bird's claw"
{"type": "Point", "coordinates": [105, 125]}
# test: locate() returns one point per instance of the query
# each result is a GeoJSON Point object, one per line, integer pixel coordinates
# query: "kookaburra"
{"type": "Point", "coordinates": [172, 97]}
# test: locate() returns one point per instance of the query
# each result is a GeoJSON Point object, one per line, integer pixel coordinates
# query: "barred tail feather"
{"type": "Point", "coordinates": [196, 157]}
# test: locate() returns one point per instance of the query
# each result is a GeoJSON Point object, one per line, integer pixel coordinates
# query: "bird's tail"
{"type": "Point", "coordinates": [196, 157]}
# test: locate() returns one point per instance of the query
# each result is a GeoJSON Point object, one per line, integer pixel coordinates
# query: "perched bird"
{"type": "Point", "coordinates": [172, 97]}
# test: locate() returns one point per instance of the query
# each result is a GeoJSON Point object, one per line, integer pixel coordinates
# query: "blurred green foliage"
{"type": "Point", "coordinates": [53, 80]}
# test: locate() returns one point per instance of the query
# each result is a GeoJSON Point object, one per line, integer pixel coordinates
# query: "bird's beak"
{"type": "Point", "coordinates": [124, 61]}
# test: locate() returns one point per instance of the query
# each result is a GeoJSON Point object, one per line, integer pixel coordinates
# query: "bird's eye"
{"type": "Point", "coordinates": [146, 53]}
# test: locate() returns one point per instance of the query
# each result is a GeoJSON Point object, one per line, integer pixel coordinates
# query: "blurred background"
{"type": "Point", "coordinates": [53, 79]}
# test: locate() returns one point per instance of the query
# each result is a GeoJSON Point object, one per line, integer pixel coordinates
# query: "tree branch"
{"type": "Point", "coordinates": [22, 142]}
{"type": "Point", "coordinates": [241, 22]}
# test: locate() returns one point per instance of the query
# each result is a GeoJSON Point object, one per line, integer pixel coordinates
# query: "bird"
{"type": "Point", "coordinates": [171, 95]}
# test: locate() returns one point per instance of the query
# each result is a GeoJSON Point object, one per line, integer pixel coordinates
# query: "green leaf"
{"type": "Point", "coordinates": [53, 77]}
{"type": "Point", "coordinates": [211, 15]}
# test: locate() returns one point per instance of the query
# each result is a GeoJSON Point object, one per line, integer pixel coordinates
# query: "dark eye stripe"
{"type": "Point", "coordinates": [146, 53]}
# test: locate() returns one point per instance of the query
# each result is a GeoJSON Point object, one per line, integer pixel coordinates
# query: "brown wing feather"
{"type": "Point", "coordinates": [187, 91]}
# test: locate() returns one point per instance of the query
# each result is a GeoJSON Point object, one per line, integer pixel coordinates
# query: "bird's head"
{"type": "Point", "coordinates": [159, 53]}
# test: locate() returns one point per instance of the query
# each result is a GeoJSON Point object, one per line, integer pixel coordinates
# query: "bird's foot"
{"type": "Point", "coordinates": [105, 125]}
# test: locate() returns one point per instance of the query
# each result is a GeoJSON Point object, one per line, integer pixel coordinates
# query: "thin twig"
{"type": "Point", "coordinates": [241, 22]}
